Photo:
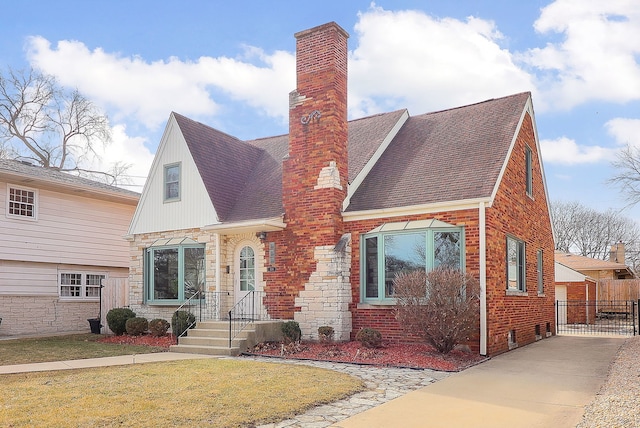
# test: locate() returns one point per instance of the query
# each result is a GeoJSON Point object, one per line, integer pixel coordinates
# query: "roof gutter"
{"type": "Point", "coordinates": [260, 225]}
{"type": "Point", "coordinates": [464, 204]}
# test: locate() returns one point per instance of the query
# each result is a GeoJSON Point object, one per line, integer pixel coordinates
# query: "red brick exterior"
{"type": "Point", "coordinates": [527, 218]}
{"type": "Point", "coordinates": [313, 216]}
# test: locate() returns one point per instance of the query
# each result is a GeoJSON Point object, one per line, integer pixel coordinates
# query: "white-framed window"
{"type": "Point", "coordinates": [173, 273]}
{"type": "Point", "coordinates": [516, 266]}
{"type": "Point", "coordinates": [389, 251]}
{"type": "Point", "coordinates": [528, 158]}
{"type": "Point", "coordinates": [172, 182]}
{"type": "Point", "coordinates": [80, 285]}
{"type": "Point", "coordinates": [22, 202]}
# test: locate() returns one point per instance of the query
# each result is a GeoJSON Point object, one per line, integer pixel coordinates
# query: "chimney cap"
{"type": "Point", "coordinates": [319, 28]}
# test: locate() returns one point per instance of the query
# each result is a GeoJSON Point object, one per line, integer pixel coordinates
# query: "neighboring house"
{"type": "Point", "coordinates": [60, 237]}
{"type": "Point", "coordinates": [596, 268]}
{"type": "Point", "coordinates": [318, 222]}
{"type": "Point", "coordinates": [573, 291]}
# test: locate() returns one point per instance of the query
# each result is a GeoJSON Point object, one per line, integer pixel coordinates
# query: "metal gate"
{"type": "Point", "coordinates": [615, 317]}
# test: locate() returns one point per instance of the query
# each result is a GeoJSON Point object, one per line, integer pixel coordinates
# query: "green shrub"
{"type": "Point", "coordinates": [181, 321]}
{"type": "Point", "coordinates": [369, 337]}
{"type": "Point", "coordinates": [117, 320]}
{"type": "Point", "coordinates": [325, 333]}
{"type": "Point", "coordinates": [136, 326]}
{"type": "Point", "coordinates": [158, 327]}
{"type": "Point", "coordinates": [291, 331]}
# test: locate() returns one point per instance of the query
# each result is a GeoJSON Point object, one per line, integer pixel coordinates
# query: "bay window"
{"type": "Point", "coordinates": [394, 248]}
{"type": "Point", "coordinates": [174, 270]}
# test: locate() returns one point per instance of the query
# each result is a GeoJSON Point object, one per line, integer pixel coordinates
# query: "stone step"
{"type": "Point", "coordinates": [205, 350]}
{"type": "Point", "coordinates": [211, 341]}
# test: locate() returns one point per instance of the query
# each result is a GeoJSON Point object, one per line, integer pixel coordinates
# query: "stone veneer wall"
{"type": "Point", "coordinates": [136, 272]}
{"type": "Point", "coordinates": [25, 315]}
{"type": "Point", "coordinates": [326, 297]}
{"type": "Point", "coordinates": [228, 244]}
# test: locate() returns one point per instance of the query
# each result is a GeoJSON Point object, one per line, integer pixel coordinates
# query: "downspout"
{"type": "Point", "coordinates": [217, 275]}
{"type": "Point", "coordinates": [483, 277]}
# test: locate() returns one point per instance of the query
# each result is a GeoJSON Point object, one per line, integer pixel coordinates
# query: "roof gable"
{"type": "Point", "coordinates": [225, 163]}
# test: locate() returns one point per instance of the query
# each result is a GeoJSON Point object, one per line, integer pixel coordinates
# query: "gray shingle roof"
{"type": "Point", "coordinates": [51, 177]}
{"type": "Point", "coordinates": [443, 156]}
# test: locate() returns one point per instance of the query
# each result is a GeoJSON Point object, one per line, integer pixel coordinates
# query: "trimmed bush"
{"type": "Point", "coordinates": [369, 337]}
{"type": "Point", "coordinates": [291, 331]}
{"type": "Point", "coordinates": [136, 326]}
{"type": "Point", "coordinates": [181, 321]}
{"type": "Point", "coordinates": [440, 306]}
{"type": "Point", "coordinates": [117, 320]}
{"type": "Point", "coordinates": [158, 327]}
{"type": "Point", "coordinates": [325, 333]}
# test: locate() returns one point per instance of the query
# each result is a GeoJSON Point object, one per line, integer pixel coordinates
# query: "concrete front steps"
{"type": "Point", "coordinates": [212, 338]}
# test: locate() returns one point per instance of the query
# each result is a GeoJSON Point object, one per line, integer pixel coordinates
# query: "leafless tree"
{"type": "Point", "coordinates": [440, 306]}
{"type": "Point", "coordinates": [627, 177]}
{"type": "Point", "coordinates": [587, 232]}
{"type": "Point", "coordinates": [47, 125]}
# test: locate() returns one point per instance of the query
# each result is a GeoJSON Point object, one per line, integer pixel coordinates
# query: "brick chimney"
{"type": "Point", "coordinates": [315, 173]}
{"type": "Point", "coordinates": [617, 253]}
{"type": "Point", "coordinates": [312, 279]}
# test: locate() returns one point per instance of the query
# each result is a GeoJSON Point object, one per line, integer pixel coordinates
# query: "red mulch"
{"type": "Point", "coordinates": [417, 356]}
{"type": "Point", "coordinates": [146, 340]}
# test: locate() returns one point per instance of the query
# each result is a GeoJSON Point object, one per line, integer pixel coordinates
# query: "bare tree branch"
{"type": "Point", "coordinates": [52, 127]}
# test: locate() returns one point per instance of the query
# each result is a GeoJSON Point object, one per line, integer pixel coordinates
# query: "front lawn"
{"type": "Point", "coordinates": [207, 392]}
{"type": "Point", "coordinates": [69, 347]}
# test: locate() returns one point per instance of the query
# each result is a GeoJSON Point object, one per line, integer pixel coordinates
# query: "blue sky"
{"type": "Point", "coordinates": [231, 65]}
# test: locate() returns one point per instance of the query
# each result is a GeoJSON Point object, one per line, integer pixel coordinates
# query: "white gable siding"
{"type": "Point", "coordinates": [193, 210]}
{"type": "Point", "coordinates": [69, 229]}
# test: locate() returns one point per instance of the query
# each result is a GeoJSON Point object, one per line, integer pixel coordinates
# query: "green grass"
{"type": "Point", "coordinates": [207, 392]}
{"type": "Point", "coordinates": [60, 348]}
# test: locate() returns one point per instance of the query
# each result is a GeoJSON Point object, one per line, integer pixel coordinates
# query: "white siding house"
{"type": "Point", "coordinates": [60, 237]}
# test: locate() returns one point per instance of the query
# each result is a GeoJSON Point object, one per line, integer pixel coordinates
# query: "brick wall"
{"type": "Point", "coordinates": [381, 317]}
{"type": "Point", "coordinates": [526, 218]}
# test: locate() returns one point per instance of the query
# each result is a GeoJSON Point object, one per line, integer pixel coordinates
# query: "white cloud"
{"type": "Point", "coordinates": [128, 150]}
{"type": "Point", "coordinates": [597, 56]}
{"type": "Point", "coordinates": [410, 59]}
{"type": "Point", "coordinates": [625, 131]}
{"type": "Point", "coordinates": [149, 91]}
{"type": "Point", "coordinates": [566, 151]}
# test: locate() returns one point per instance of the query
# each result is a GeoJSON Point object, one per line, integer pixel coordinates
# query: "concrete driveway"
{"type": "Point", "coordinates": [545, 384]}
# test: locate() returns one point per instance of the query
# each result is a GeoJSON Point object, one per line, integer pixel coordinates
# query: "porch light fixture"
{"type": "Point", "coordinates": [262, 235]}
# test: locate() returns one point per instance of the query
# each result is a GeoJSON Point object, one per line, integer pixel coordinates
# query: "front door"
{"type": "Point", "coordinates": [245, 281]}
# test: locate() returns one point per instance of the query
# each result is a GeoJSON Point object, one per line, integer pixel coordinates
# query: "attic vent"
{"type": "Point", "coordinates": [26, 162]}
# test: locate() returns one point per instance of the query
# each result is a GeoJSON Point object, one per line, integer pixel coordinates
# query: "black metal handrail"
{"type": "Point", "coordinates": [204, 305]}
{"type": "Point", "coordinates": [248, 309]}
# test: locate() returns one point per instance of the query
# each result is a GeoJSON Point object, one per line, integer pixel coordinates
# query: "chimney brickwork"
{"type": "Point", "coordinates": [314, 186]}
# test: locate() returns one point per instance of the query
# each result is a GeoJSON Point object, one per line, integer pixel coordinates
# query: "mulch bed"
{"type": "Point", "coordinates": [145, 340]}
{"type": "Point", "coordinates": [416, 356]}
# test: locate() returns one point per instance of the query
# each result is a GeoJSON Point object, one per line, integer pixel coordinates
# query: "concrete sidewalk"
{"type": "Point", "coordinates": [545, 384]}
{"type": "Point", "coordinates": [100, 362]}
